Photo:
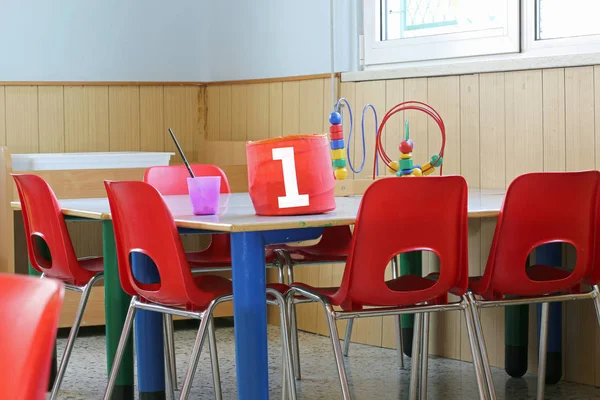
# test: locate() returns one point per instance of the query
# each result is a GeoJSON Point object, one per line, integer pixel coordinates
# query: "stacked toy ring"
{"type": "Point", "coordinates": [404, 166]}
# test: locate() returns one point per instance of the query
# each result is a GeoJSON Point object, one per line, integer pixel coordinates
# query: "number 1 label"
{"type": "Point", "coordinates": [292, 198]}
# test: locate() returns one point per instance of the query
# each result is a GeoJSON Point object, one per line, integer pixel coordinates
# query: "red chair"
{"type": "Point", "coordinates": [28, 324]}
{"type": "Point", "coordinates": [46, 231]}
{"type": "Point", "coordinates": [435, 220]}
{"type": "Point", "coordinates": [179, 292]}
{"type": "Point", "coordinates": [541, 208]}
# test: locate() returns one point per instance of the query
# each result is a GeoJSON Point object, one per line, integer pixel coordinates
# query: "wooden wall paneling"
{"type": "Point", "coordinates": [580, 352]}
{"type": "Point", "coordinates": [2, 117]}
{"type": "Point", "coordinates": [579, 113]}
{"type": "Point", "coordinates": [152, 119]}
{"type": "Point", "coordinates": [393, 132]}
{"type": "Point", "coordinates": [258, 111]}
{"type": "Point", "coordinates": [492, 131]}
{"type": "Point", "coordinates": [181, 114]}
{"type": "Point", "coordinates": [212, 112]}
{"type": "Point", "coordinates": [239, 111]}
{"type": "Point", "coordinates": [553, 103]}
{"type": "Point", "coordinates": [124, 118]}
{"type": "Point", "coordinates": [275, 109]}
{"type": "Point", "coordinates": [51, 119]}
{"type": "Point", "coordinates": [225, 112]}
{"type": "Point", "coordinates": [524, 127]}
{"type": "Point", "coordinates": [291, 106]}
{"type": "Point", "coordinates": [443, 94]}
{"type": "Point", "coordinates": [22, 128]}
{"type": "Point", "coordinates": [469, 129]}
{"type": "Point", "coordinates": [311, 106]}
{"type": "Point", "coordinates": [86, 118]}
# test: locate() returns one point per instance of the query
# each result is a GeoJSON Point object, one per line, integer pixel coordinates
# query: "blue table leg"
{"type": "Point", "coordinates": [148, 333]}
{"type": "Point", "coordinates": [551, 254]}
{"type": "Point", "coordinates": [250, 315]}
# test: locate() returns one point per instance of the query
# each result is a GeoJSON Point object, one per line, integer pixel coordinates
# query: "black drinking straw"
{"type": "Point", "coordinates": [185, 161]}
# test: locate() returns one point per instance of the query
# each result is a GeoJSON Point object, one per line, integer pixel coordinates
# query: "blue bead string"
{"type": "Point", "coordinates": [363, 135]}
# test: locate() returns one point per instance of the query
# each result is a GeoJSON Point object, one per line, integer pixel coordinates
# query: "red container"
{"type": "Point", "coordinates": [291, 175]}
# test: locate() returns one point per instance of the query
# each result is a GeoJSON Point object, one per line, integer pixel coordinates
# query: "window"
{"type": "Point", "coordinates": [404, 32]}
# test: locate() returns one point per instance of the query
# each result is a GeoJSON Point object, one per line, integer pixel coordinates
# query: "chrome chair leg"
{"type": "Point", "coordinates": [169, 389]}
{"type": "Point", "coordinates": [293, 320]}
{"type": "Point", "coordinates": [398, 318]}
{"type": "Point", "coordinates": [85, 294]}
{"type": "Point", "coordinates": [170, 341]}
{"type": "Point", "coordinates": [424, 355]}
{"type": "Point", "coordinates": [195, 356]}
{"type": "Point", "coordinates": [348, 336]}
{"type": "Point", "coordinates": [414, 371]}
{"type": "Point", "coordinates": [477, 361]}
{"type": "Point", "coordinates": [337, 350]}
{"type": "Point", "coordinates": [288, 382]}
{"type": "Point", "coordinates": [214, 358]}
{"type": "Point", "coordinates": [120, 349]}
{"type": "Point", "coordinates": [482, 347]}
{"type": "Point", "coordinates": [541, 382]}
{"type": "Point", "coordinates": [597, 302]}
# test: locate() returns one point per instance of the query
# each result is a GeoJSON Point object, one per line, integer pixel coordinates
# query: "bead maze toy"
{"type": "Point", "coordinates": [404, 167]}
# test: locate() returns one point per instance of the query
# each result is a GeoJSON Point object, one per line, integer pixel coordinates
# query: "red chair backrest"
{"type": "Point", "coordinates": [42, 218]}
{"type": "Point", "coordinates": [171, 180]}
{"type": "Point", "coordinates": [398, 215]}
{"type": "Point", "coordinates": [144, 224]}
{"type": "Point", "coordinates": [540, 208]}
{"type": "Point", "coordinates": [28, 326]}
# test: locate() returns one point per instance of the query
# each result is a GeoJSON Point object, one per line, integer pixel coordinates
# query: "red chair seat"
{"type": "Point", "coordinates": [405, 283]}
{"type": "Point", "coordinates": [538, 272]}
{"type": "Point", "coordinates": [92, 264]}
{"type": "Point", "coordinates": [207, 258]}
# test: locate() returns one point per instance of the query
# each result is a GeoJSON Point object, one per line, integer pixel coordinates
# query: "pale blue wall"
{"type": "Point", "coordinates": [178, 40]}
{"type": "Point", "coordinates": [102, 40]}
{"type": "Point", "coordinates": [274, 38]}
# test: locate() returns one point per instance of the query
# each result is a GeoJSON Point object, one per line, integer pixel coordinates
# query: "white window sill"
{"type": "Point", "coordinates": [500, 63]}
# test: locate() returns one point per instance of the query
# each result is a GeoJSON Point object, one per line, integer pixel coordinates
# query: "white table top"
{"type": "Point", "coordinates": [236, 212]}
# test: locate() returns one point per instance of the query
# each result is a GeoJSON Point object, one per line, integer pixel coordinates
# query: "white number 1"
{"type": "Point", "coordinates": [292, 198]}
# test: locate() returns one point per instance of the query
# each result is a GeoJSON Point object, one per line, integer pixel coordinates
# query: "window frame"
{"type": "Point", "coordinates": [546, 53]}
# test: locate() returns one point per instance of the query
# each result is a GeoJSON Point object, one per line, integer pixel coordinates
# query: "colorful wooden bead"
{"type": "Point", "coordinates": [427, 169]}
{"type": "Point", "coordinates": [406, 147]}
{"type": "Point", "coordinates": [393, 167]}
{"type": "Point", "coordinates": [434, 160]}
{"type": "Point", "coordinates": [335, 118]}
{"type": "Point", "coordinates": [336, 128]}
{"type": "Point", "coordinates": [405, 156]}
{"type": "Point", "coordinates": [340, 173]}
{"type": "Point", "coordinates": [336, 135]}
{"type": "Point", "coordinates": [340, 163]}
{"type": "Point", "coordinates": [337, 144]}
{"type": "Point", "coordinates": [406, 164]}
{"type": "Point", "coordinates": [338, 154]}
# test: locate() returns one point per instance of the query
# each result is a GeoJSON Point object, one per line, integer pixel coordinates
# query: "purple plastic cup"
{"type": "Point", "coordinates": [204, 193]}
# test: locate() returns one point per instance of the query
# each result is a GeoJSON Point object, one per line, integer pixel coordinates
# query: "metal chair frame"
{"type": "Point", "coordinates": [206, 328]}
{"type": "Point", "coordinates": [85, 291]}
{"type": "Point", "coordinates": [594, 295]}
{"type": "Point", "coordinates": [420, 347]}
